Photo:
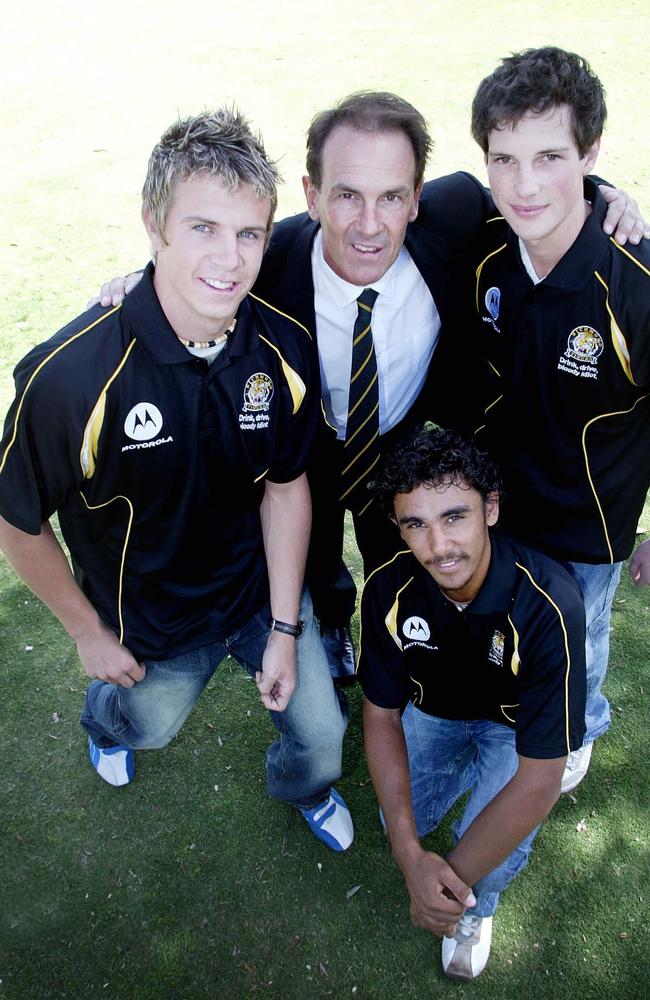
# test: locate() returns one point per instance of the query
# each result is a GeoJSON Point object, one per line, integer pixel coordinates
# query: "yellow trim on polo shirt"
{"type": "Point", "coordinates": [38, 369]}
{"type": "Point", "coordinates": [603, 416]}
{"type": "Point", "coordinates": [566, 649]}
{"type": "Point", "coordinates": [515, 662]}
{"type": "Point", "coordinates": [479, 269]}
{"type": "Point", "coordinates": [391, 618]}
{"type": "Point", "coordinates": [280, 313]}
{"type": "Point", "coordinates": [365, 584]}
{"type": "Point", "coordinates": [297, 387]}
{"type": "Point", "coordinates": [629, 256]}
{"type": "Point", "coordinates": [124, 548]}
{"type": "Point", "coordinates": [618, 340]}
{"type": "Point", "coordinates": [418, 699]}
{"type": "Point", "coordinates": [93, 429]}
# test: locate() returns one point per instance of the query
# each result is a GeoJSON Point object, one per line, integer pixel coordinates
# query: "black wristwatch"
{"type": "Point", "coordinates": [294, 630]}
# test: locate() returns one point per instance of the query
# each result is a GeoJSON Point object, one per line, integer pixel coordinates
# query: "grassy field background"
{"type": "Point", "coordinates": [190, 882]}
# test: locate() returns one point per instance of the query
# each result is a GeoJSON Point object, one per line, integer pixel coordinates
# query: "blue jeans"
{"type": "Point", "coordinates": [301, 765]}
{"type": "Point", "coordinates": [447, 758]}
{"type": "Point", "coordinates": [598, 585]}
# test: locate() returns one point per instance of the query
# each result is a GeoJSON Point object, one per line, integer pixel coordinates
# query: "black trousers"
{"type": "Point", "coordinates": [332, 588]}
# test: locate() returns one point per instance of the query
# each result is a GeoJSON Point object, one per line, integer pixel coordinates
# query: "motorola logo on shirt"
{"type": "Point", "coordinates": [416, 628]}
{"type": "Point", "coordinates": [143, 422]}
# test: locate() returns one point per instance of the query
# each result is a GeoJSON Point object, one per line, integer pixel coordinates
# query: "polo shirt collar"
{"type": "Point", "coordinates": [146, 320]}
{"type": "Point", "coordinates": [495, 596]}
{"type": "Point", "coordinates": [342, 292]}
{"type": "Point", "coordinates": [576, 268]}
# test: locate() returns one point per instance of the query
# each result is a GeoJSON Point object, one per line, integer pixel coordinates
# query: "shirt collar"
{"type": "Point", "coordinates": [146, 320]}
{"type": "Point", "coordinates": [575, 269]}
{"type": "Point", "coordinates": [495, 596]}
{"type": "Point", "coordinates": [342, 292]}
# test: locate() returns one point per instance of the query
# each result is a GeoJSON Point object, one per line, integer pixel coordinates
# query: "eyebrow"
{"type": "Point", "coordinates": [540, 152]}
{"type": "Point", "coordinates": [459, 509]}
{"type": "Point", "coordinates": [401, 189]}
{"type": "Point", "coordinates": [213, 222]}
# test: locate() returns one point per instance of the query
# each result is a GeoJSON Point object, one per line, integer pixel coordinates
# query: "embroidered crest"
{"type": "Point", "coordinates": [584, 347]}
{"type": "Point", "coordinates": [496, 649]}
{"type": "Point", "coordinates": [258, 392]}
{"type": "Point", "coordinates": [585, 344]}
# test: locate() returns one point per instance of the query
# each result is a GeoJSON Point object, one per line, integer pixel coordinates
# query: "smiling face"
{"type": "Point", "coordinates": [211, 255]}
{"type": "Point", "coordinates": [446, 529]}
{"type": "Point", "coordinates": [536, 177]}
{"type": "Point", "coordinates": [366, 200]}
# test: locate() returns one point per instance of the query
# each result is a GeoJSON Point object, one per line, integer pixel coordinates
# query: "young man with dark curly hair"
{"type": "Point", "coordinates": [472, 666]}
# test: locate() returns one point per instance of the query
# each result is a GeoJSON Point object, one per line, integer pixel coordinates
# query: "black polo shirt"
{"type": "Point", "coordinates": [156, 462]}
{"type": "Point", "coordinates": [568, 417]}
{"type": "Point", "coordinates": [515, 655]}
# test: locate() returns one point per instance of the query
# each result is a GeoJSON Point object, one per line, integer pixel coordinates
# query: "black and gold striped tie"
{"type": "Point", "coordinates": [361, 448]}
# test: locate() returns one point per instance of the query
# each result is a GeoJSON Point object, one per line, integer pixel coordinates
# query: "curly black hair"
{"type": "Point", "coordinates": [435, 457]}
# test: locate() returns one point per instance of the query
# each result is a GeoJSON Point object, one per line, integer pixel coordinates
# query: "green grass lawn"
{"type": "Point", "coordinates": [190, 882]}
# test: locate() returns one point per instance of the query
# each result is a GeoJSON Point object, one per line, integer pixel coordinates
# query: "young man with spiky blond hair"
{"type": "Point", "coordinates": [170, 435]}
{"type": "Point", "coordinates": [564, 317]}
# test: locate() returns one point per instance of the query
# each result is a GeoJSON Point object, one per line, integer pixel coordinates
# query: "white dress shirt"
{"type": "Point", "coordinates": [405, 329]}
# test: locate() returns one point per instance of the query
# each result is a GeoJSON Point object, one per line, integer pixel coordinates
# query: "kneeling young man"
{"type": "Point", "coordinates": [472, 665]}
{"type": "Point", "coordinates": [171, 434]}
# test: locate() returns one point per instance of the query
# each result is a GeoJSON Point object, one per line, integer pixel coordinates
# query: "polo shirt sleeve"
{"type": "Point", "coordinates": [301, 410]}
{"type": "Point", "coordinates": [628, 301]}
{"type": "Point", "coordinates": [551, 650]}
{"type": "Point", "coordinates": [40, 464]}
{"type": "Point", "coordinates": [381, 670]}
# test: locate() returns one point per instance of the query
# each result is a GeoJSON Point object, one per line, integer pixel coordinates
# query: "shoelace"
{"type": "Point", "coordinates": [468, 925]}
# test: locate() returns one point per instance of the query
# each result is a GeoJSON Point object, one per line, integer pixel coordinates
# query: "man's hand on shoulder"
{"type": "Point", "coordinates": [438, 896]}
{"type": "Point", "coordinates": [113, 292]}
{"type": "Point", "coordinates": [105, 659]}
{"type": "Point", "coordinates": [640, 565]}
{"type": "Point", "coordinates": [277, 679]}
{"type": "Point", "coordinates": [623, 217]}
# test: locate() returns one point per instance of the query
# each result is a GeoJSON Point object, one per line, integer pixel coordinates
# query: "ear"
{"type": "Point", "coordinates": [312, 197]}
{"type": "Point", "coordinates": [492, 509]}
{"type": "Point", "coordinates": [156, 240]}
{"type": "Point", "coordinates": [590, 157]}
{"type": "Point", "coordinates": [416, 202]}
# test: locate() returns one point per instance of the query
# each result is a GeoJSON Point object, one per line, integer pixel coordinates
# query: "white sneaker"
{"type": "Point", "coordinates": [114, 764]}
{"type": "Point", "coordinates": [465, 955]}
{"type": "Point", "coordinates": [577, 765]}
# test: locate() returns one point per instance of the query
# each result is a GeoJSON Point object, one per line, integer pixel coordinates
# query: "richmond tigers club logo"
{"type": "Point", "coordinates": [258, 392]}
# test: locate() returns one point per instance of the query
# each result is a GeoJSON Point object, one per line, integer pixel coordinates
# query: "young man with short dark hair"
{"type": "Point", "coordinates": [564, 322]}
{"type": "Point", "coordinates": [171, 434]}
{"type": "Point", "coordinates": [472, 666]}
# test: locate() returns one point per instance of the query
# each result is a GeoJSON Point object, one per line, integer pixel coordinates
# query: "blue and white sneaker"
{"type": "Point", "coordinates": [331, 822]}
{"type": "Point", "coordinates": [116, 765]}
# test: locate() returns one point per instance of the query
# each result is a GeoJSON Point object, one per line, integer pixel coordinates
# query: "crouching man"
{"type": "Point", "coordinates": [472, 665]}
{"type": "Point", "coordinates": [170, 434]}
